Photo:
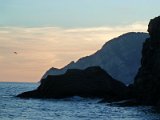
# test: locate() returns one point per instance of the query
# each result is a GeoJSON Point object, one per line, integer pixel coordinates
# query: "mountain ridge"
{"type": "Point", "coordinates": [120, 57]}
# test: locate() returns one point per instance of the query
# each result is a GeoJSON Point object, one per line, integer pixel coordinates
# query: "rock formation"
{"type": "Point", "coordinates": [91, 82]}
{"type": "Point", "coordinates": [147, 81]}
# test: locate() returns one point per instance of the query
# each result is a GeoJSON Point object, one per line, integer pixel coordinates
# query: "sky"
{"type": "Point", "coordinates": [52, 33]}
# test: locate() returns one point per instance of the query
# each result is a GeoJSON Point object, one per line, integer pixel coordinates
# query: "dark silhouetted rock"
{"type": "Point", "coordinates": [91, 82]}
{"type": "Point", "coordinates": [147, 81]}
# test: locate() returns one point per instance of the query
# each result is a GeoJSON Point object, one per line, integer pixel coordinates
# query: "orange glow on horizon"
{"type": "Point", "coordinates": [39, 49]}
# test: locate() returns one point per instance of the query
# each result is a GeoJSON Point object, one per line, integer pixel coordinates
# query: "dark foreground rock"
{"type": "Point", "coordinates": [147, 81]}
{"type": "Point", "coordinates": [91, 82]}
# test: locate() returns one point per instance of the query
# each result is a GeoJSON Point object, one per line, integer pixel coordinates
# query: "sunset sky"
{"type": "Point", "coordinates": [47, 33]}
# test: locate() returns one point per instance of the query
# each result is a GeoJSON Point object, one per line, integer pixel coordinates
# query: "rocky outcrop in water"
{"type": "Point", "coordinates": [147, 81]}
{"type": "Point", "coordinates": [91, 82]}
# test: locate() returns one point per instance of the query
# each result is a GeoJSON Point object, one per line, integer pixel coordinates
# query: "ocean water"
{"type": "Point", "coordinates": [75, 108]}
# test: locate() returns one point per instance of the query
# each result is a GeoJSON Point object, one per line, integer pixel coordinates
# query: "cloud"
{"type": "Point", "coordinates": [40, 48]}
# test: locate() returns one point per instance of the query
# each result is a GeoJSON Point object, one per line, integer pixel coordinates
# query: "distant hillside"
{"type": "Point", "coordinates": [120, 57]}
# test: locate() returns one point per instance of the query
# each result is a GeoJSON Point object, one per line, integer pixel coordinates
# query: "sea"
{"type": "Point", "coordinates": [75, 108]}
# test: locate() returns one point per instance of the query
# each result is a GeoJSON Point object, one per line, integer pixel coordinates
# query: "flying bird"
{"type": "Point", "coordinates": [15, 53]}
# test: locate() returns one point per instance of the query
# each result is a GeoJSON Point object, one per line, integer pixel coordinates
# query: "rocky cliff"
{"type": "Point", "coordinates": [147, 81]}
{"type": "Point", "coordinates": [91, 82]}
